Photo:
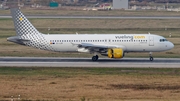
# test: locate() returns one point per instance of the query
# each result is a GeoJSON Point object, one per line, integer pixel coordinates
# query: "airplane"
{"type": "Point", "coordinates": [110, 45]}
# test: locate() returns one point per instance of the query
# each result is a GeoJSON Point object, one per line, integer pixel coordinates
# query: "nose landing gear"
{"type": "Point", "coordinates": [150, 56]}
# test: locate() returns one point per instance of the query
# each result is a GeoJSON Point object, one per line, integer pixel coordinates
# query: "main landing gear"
{"type": "Point", "coordinates": [150, 56]}
{"type": "Point", "coordinates": [95, 58]}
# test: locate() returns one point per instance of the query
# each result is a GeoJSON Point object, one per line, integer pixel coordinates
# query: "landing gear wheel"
{"type": "Point", "coordinates": [95, 58]}
{"type": "Point", "coordinates": [151, 58]}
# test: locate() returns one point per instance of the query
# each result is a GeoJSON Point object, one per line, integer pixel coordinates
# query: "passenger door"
{"type": "Point", "coordinates": [151, 41]}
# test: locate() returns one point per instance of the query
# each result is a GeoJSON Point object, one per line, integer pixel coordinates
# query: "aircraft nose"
{"type": "Point", "coordinates": [171, 45]}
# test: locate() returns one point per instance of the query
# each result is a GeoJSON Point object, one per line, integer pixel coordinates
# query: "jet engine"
{"type": "Point", "coordinates": [115, 53]}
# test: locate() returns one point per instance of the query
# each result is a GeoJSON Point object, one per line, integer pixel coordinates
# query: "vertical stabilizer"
{"type": "Point", "coordinates": [22, 24]}
{"type": "Point", "coordinates": [26, 33]}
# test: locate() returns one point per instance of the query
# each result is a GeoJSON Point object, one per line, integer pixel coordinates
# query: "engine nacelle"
{"type": "Point", "coordinates": [115, 53]}
{"type": "Point", "coordinates": [82, 50]}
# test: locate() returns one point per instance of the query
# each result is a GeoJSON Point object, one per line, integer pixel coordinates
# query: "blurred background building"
{"type": "Point", "coordinates": [170, 5]}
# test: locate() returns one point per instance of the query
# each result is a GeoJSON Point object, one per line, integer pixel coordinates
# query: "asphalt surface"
{"type": "Point", "coordinates": [96, 17]}
{"type": "Point", "coordinates": [86, 62]}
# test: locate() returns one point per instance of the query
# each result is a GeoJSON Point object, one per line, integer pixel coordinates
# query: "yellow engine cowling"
{"type": "Point", "coordinates": [115, 53]}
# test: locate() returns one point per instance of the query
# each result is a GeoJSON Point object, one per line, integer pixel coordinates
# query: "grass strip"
{"type": "Point", "coordinates": [89, 84]}
{"type": "Point", "coordinates": [88, 71]}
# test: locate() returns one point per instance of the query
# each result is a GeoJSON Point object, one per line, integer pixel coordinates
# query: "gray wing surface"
{"type": "Point", "coordinates": [98, 47]}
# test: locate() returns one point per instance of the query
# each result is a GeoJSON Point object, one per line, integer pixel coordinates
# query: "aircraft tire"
{"type": "Point", "coordinates": [95, 58]}
{"type": "Point", "coordinates": [151, 58]}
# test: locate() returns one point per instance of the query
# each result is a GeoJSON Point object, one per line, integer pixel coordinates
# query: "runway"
{"type": "Point", "coordinates": [95, 17]}
{"type": "Point", "coordinates": [86, 62]}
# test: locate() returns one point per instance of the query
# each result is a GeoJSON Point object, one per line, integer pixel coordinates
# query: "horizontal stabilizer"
{"type": "Point", "coordinates": [17, 39]}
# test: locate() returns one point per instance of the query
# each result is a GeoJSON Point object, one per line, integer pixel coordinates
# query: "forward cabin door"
{"type": "Point", "coordinates": [151, 41]}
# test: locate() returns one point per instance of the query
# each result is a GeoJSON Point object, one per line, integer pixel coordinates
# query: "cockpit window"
{"type": "Point", "coordinates": [163, 40]}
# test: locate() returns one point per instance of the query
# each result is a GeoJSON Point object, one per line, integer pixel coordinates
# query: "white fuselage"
{"type": "Point", "coordinates": [129, 42]}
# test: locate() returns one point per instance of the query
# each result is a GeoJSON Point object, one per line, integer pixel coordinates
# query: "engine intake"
{"type": "Point", "coordinates": [115, 53]}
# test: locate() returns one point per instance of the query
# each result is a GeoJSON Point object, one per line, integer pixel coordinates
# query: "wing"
{"type": "Point", "coordinates": [101, 48]}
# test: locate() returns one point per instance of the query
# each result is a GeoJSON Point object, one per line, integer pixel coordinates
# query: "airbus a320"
{"type": "Point", "coordinates": [110, 45]}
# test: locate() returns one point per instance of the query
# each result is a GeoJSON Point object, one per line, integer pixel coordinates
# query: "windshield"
{"type": "Point", "coordinates": [163, 40]}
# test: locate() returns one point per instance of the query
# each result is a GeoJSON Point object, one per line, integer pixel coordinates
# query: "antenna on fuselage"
{"type": "Point", "coordinates": [76, 33]}
{"type": "Point", "coordinates": [49, 30]}
{"type": "Point", "coordinates": [149, 33]}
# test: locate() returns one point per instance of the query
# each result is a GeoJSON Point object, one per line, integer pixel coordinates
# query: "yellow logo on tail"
{"type": "Point", "coordinates": [20, 18]}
